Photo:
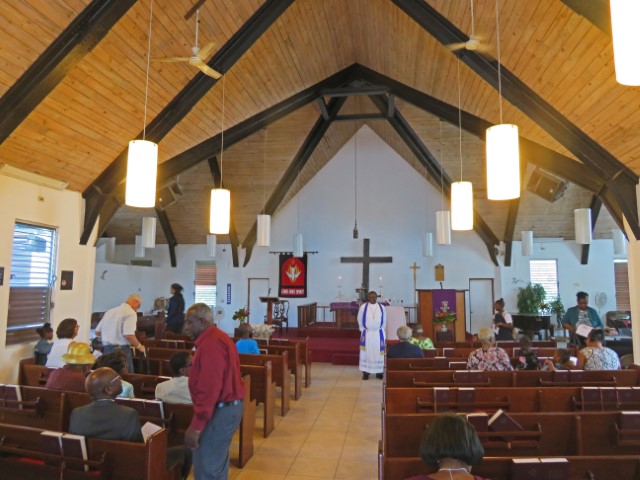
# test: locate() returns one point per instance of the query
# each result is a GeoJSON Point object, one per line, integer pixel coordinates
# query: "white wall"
{"type": "Point", "coordinates": [61, 209]}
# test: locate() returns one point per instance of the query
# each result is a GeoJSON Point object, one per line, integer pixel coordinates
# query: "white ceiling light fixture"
{"type": "Point", "coordinates": [427, 245]}
{"type": "Point", "coordinates": [212, 242]}
{"type": "Point", "coordinates": [461, 192]}
{"type": "Point", "coordinates": [35, 178]}
{"type": "Point", "coordinates": [443, 217]}
{"type": "Point", "coordinates": [619, 243]}
{"type": "Point", "coordinates": [625, 17]}
{"type": "Point", "coordinates": [582, 220]}
{"type": "Point", "coordinates": [220, 209]}
{"type": "Point", "coordinates": [138, 249]}
{"type": "Point", "coordinates": [149, 232]}
{"type": "Point", "coordinates": [142, 157]}
{"type": "Point", "coordinates": [263, 236]}
{"type": "Point", "coordinates": [527, 243]}
{"type": "Point", "coordinates": [503, 149]}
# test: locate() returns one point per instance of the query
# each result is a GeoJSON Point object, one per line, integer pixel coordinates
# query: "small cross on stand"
{"type": "Point", "coordinates": [415, 267]}
{"type": "Point", "coordinates": [365, 259]}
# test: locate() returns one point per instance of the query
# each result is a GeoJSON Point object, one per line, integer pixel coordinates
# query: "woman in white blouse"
{"type": "Point", "coordinates": [66, 332]}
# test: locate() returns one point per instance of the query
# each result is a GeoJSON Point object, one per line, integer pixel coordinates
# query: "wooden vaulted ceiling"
{"type": "Point", "coordinates": [277, 56]}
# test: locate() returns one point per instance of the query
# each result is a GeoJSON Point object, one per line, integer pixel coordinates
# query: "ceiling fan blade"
{"type": "Point", "coordinates": [207, 70]}
{"type": "Point", "coordinates": [456, 46]}
{"type": "Point", "coordinates": [206, 50]}
{"type": "Point", "coordinates": [171, 60]}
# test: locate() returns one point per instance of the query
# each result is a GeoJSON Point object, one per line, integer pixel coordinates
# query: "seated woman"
{"type": "Point", "coordinates": [595, 356]}
{"type": "Point", "coordinates": [488, 356]}
{"type": "Point", "coordinates": [561, 361]}
{"type": "Point", "coordinates": [117, 361]}
{"type": "Point", "coordinates": [526, 358]}
{"type": "Point", "coordinates": [420, 340]}
{"type": "Point", "coordinates": [67, 330]}
{"type": "Point", "coordinates": [450, 444]}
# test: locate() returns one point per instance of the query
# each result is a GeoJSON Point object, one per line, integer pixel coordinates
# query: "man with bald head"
{"type": "Point", "coordinates": [104, 418]}
{"type": "Point", "coordinates": [117, 329]}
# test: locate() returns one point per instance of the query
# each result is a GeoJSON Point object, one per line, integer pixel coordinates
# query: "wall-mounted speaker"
{"type": "Point", "coordinates": [547, 185]}
{"type": "Point", "coordinates": [168, 195]}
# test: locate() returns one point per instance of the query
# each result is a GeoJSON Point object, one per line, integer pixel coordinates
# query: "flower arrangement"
{"type": "Point", "coordinates": [242, 314]}
{"type": "Point", "coordinates": [444, 315]}
{"type": "Point", "coordinates": [262, 330]}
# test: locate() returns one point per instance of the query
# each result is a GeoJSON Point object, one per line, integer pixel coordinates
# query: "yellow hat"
{"type": "Point", "coordinates": [78, 353]}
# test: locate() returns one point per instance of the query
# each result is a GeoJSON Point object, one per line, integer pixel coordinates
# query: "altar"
{"type": "Point", "coordinates": [346, 317]}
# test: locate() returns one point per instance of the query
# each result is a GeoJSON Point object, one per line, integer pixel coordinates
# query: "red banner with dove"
{"type": "Point", "coordinates": [293, 276]}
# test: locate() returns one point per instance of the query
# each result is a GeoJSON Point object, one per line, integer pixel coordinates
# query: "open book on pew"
{"type": "Point", "coordinates": [149, 429]}
{"type": "Point", "coordinates": [65, 445]}
{"type": "Point", "coordinates": [10, 396]}
{"type": "Point", "coordinates": [480, 421]}
{"type": "Point", "coordinates": [501, 421]}
{"type": "Point", "coordinates": [152, 410]}
{"type": "Point", "coordinates": [551, 468]}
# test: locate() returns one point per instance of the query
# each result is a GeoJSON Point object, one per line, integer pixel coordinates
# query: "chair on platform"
{"type": "Point", "coordinates": [281, 314]}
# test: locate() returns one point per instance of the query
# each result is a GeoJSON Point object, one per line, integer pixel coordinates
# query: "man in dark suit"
{"type": "Point", "coordinates": [104, 418]}
{"type": "Point", "coordinates": [404, 349]}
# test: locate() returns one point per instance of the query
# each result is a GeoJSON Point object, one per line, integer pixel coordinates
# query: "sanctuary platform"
{"type": "Point", "coordinates": [329, 344]}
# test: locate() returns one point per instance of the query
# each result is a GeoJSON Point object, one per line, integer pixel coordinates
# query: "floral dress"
{"type": "Point", "coordinates": [600, 359]}
{"type": "Point", "coordinates": [493, 358]}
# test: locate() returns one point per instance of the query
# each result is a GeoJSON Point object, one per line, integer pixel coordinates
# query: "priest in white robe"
{"type": "Point", "coordinates": [372, 319]}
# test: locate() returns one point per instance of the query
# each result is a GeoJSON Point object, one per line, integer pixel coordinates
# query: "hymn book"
{"type": "Point", "coordinates": [501, 421]}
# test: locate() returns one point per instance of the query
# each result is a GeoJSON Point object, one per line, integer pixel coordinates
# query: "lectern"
{"type": "Point", "coordinates": [269, 301]}
{"type": "Point", "coordinates": [426, 312]}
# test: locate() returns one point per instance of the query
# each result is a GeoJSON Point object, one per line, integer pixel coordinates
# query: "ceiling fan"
{"type": "Point", "coordinates": [198, 57]}
{"type": "Point", "coordinates": [474, 44]}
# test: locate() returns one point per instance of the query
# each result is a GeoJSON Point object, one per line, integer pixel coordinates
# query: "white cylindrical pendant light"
{"type": "Point", "coordinates": [263, 237]}
{"type": "Point", "coordinates": [142, 170]}
{"type": "Point", "coordinates": [503, 162]}
{"type": "Point", "coordinates": [625, 17]}
{"type": "Point", "coordinates": [149, 232]}
{"type": "Point", "coordinates": [427, 245]}
{"type": "Point", "coordinates": [212, 242]}
{"type": "Point", "coordinates": [582, 217]}
{"type": "Point", "coordinates": [220, 213]}
{"type": "Point", "coordinates": [298, 245]}
{"type": "Point", "coordinates": [138, 250]}
{"type": "Point", "coordinates": [619, 243]}
{"type": "Point", "coordinates": [461, 206]}
{"type": "Point", "coordinates": [443, 227]}
{"type": "Point", "coordinates": [527, 243]}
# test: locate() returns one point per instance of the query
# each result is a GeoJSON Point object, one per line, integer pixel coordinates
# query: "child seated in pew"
{"type": "Point", "coordinates": [450, 444]}
{"type": "Point", "coordinates": [246, 344]}
{"type": "Point", "coordinates": [176, 390]}
{"type": "Point", "coordinates": [526, 358]}
{"type": "Point", "coordinates": [561, 361]}
{"type": "Point", "coordinates": [43, 346]}
{"type": "Point", "coordinates": [117, 361]}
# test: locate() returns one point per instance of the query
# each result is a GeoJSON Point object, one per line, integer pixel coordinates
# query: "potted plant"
{"type": "Point", "coordinates": [556, 306]}
{"type": "Point", "coordinates": [531, 299]}
{"type": "Point", "coordinates": [444, 315]}
{"type": "Point", "coordinates": [241, 315]}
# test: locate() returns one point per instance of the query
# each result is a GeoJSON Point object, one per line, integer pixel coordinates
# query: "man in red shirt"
{"type": "Point", "coordinates": [216, 390]}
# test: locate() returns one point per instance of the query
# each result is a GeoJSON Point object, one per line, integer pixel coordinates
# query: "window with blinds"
{"type": "Point", "coordinates": [206, 290]}
{"type": "Point", "coordinates": [545, 272]}
{"type": "Point", "coordinates": [32, 273]}
{"type": "Point", "coordinates": [621, 272]}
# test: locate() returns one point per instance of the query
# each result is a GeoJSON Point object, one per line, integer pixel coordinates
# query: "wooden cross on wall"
{"type": "Point", "coordinates": [365, 259]}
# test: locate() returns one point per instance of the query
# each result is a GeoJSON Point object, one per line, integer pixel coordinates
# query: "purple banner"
{"type": "Point", "coordinates": [444, 300]}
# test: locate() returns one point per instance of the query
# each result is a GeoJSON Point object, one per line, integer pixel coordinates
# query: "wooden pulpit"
{"type": "Point", "coordinates": [269, 301]}
{"type": "Point", "coordinates": [426, 312]}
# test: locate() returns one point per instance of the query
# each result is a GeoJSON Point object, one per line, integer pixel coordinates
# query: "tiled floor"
{"type": "Point", "coordinates": [332, 432]}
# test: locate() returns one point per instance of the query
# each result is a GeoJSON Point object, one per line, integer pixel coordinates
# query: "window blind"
{"type": "Point", "coordinates": [621, 271]}
{"type": "Point", "coordinates": [545, 272]}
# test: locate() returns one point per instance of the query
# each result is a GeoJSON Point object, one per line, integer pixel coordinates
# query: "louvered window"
{"type": "Point", "coordinates": [206, 283]}
{"type": "Point", "coordinates": [31, 277]}
{"type": "Point", "coordinates": [545, 272]}
{"type": "Point", "coordinates": [622, 286]}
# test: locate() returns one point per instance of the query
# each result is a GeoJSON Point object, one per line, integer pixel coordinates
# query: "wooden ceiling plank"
{"type": "Point", "coordinates": [175, 111]}
{"type": "Point", "coordinates": [297, 164]}
{"type": "Point", "coordinates": [593, 156]}
{"type": "Point", "coordinates": [596, 11]}
{"type": "Point", "coordinates": [71, 46]}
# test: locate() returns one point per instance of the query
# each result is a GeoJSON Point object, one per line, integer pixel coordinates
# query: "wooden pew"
{"type": "Point", "coordinates": [305, 354]}
{"type": "Point", "coordinates": [121, 460]}
{"type": "Point", "coordinates": [262, 391]}
{"type": "Point", "coordinates": [40, 408]}
{"type": "Point", "coordinates": [295, 364]}
{"type": "Point", "coordinates": [280, 371]}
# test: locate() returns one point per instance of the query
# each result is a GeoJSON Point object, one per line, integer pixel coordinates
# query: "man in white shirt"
{"type": "Point", "coordinates": [176, 390]}
{"type": "Point", "coordinates": [117, 329]}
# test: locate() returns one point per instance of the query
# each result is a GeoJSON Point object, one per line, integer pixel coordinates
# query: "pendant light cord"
{"type": "Point", "coordinates": [355, 178]}
{"type": "Point", "coordinates": [460, 119]}
{"type": "Point", "coordinates": [298, 186]}
{"type": "Point", "coordinates": [222, 132]}
{"type": "Point", "coordinates": [146, 86]}
{"type": "Point", "coordinates": [264, 170]}
{"type": "Point", "coordinates": [499, 62]}
{"type": "Point", "coordinates": [441, 161]}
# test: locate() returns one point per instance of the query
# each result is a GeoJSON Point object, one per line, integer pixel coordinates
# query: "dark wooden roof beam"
{"type": "Point", "coordinates": [596, 11]}
{"type": "Point", "coordinates": [360, 116]}
{"type": "Point", "coordinates": [351, 91]}
{"type": "Point", "coordinates": [168, 233]}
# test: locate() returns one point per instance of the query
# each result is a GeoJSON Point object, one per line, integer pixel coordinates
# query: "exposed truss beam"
{"type": "Point", "coordinates": [512, 216]}
{"type": "Point", "coordinates": [201, 152]}
{"type": "Point", "coordinates": [182, 104]}
{"type": "Point", "coordinates": [430, 163]}
{"type": "Point", "coordinates": [168, 233]}
{"type": "Point", "coordinates": [596, 205]}
{"type": "Point", "coordinates": [618, 177]}
{"type": "Point", "coordinates": [360, 116]}
{"type": "Point", "coordinates": [66, 51]}
{"type": "Point", "coordinates": [531, 152]}
{"type": "Point", "coordinates": [233, 235]}
{"type": "Point", "coordinates": [297, 164]}
{"type": "Point", "coordinates": [351, 91]}
{"type": "Point", "coordinates": [323, 108]}
{"type": "Point", "coordinates": [596, 11]}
